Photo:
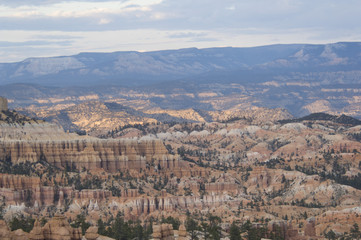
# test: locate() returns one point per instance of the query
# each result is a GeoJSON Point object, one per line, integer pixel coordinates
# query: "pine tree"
{"type": "Point", "coordinates": [234, 232]}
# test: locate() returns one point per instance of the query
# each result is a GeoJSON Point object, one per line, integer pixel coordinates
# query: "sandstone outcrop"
{"type": "Point", "coordinates": [37, 232]}
{"type": "Point", "coordinates": [28, 130]}
{"type": "Point", "coordinates": [91, 233]}
{"type": "Point", "coordinates": [145, 206]}
{"type": "Point", "coordinates": [58, 228]}
{"type": "Point", "coordinates": [4, 231]}
{"type": "Point", "coordinates": [30, 141]}
{"type": "Point", "coordinates": [17, 189]}
{"type": "Point", "coordinates": [285, 230]}
{"type": "Point", "coordinates": [111, 155]}
{"type": "Point", "coordinates": [310, 230]}
{"type": "Point", "coordinates": [236, 170]}
{"type": "Point", "coordinates": [163, 232]}
{"type": "Point", "coordinates": [19, 234]}
{"type": "Point", "coordinates": [166, 232]}
{"type": "Point", "coordinates": [282, 230]}
{"type": "Point", "coordinates": [182, 232]}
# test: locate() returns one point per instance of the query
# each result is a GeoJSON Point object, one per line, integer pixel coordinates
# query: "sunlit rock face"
{"type": "Point", "coordinates": [111, 155]}
{"type": "Point", "coordinates": [31, 141]}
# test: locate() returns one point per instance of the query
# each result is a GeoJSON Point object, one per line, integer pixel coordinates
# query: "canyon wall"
{"type": "Point", "coordinates": [17, 189]}
{"type": "Point", "coordinates": [111, 155]}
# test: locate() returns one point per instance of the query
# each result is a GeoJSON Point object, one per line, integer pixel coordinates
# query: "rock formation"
{"type": "Point", "coordinates": [92, 233]}
{"type": "Point", "coordinates": [37, 232]}
{"type": "Point", "coordinates": [4, 231]}
{"type": "Point", "coordinates": [166, 232]}
{"type": "Point", "coordinates": [310, 227]}
{"type": "Point", "coordinates": [182, 232]}
{"type": "Point", "coordinates": [3, 104]}
{"type": "Point", "coordinates": [163, 232]}
{"type": "Point", "coordinates": [17, 189]}
{"type": "Point", "coordinates": [29, 141]}
{"type": "Point", "coordinates": [19, 234]}
{"type": "Point", "coordinates": [285, 230]}
{"type": "Point", "coordinates": [237, 171]}
{"type": "Point", "coordinates": [58, 228]}
{"type": "Point", "coordinates": [111, 155]}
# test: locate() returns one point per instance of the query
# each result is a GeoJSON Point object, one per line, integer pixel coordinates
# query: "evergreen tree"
{"type": "Point", "coordinates": [330, 235]}
{"type": "Point", "coordinates": [24, 223]}
{"type": "Point", "coordinates": [192, 228]}
{"type": "Point", "coordinates": [355, 231]}
{"type": "Point", "coordinates": [235, 232]}
{"type": "Point", "coordinates": [214, 227]}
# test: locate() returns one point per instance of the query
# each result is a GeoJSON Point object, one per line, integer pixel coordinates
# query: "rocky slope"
{"type": "Point", "coordinates": [301, 177]}
{"type": "Point", "coordinates": [98, 118]}
{"type": "Point", "coordinates": [30, 141]}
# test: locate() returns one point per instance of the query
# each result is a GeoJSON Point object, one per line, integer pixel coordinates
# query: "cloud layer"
{"type": "Point", "coordinates": [96, 25]}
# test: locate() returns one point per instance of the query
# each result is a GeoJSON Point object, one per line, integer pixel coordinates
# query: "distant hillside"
{"type": "Point", "coordinates": [301, 78]}
{"type": "Point", "coordinates": [138, 68]}
{"type": "Point", "coordinates": [12, 117]}
{"type": "Point", "coordinates": [343, 119]}
{"type": "Point", "coordinates": [97, 118]}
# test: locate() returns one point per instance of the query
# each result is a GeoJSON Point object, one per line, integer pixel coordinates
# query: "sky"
{"type": "Point", "coordinates": [44, 28]}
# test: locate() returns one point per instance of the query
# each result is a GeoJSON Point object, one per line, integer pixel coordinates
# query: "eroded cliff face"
{"type": "Point", "coordinates": [30, 141]}
{"type": "Point", "coordinates": [111, 155]}
{"type": "Point", "coordinates": [237, 171]}
{"type": "Point", "coordinates": [33, 131]}
{"type": "Point", "coordinates": [17, 189]}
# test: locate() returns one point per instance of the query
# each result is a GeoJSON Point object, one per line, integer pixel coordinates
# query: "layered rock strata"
{"type": "Point", "coordinates": [285, 230]}
{"type": "Point", "coordinates": [149, 205]}
{"type": "Point", "coordinates": [111, 155]}
{"type": "Point", "coordinates": [163, 232]}
{"type": "Point", "coordinates": [17, 189]}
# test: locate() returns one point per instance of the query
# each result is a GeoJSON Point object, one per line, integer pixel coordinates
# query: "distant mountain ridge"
{"type": "Point", "coordinates": [302, 78]}
{"type": "Point", "coordinates": [146, 68]}
{"type": "Point", "coordinates": [343, 119]}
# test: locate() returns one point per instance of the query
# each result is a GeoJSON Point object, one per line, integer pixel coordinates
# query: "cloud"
{"type": "Point", "coordinates": [100, 15]}
{"type": "Point", "coordinates": [17, 3]}
{"type": "Point", "coordinates": [104, 21]}
{"type": "Point", "coordinates": [109, 25]}
{"type": "Point", "coordinates": [5, 44]}
{"type": "Point", "coordinates": [231, 8]}
{"type": "Point", "coordinates": [75, 9]}
{"type": "Point", "coordinates": [203, 39]}
{"type": "Point", "coordinates": [187, 34]}
{"type": "Point", "coordinates": [193, 36]}
{"type": "Point", "coordinates": [55, 36]}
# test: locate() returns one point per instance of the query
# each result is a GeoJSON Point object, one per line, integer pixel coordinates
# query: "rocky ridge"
{"type": "Point", "coordinates": [98, 118]}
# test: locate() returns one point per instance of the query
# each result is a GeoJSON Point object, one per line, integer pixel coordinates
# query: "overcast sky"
{"type": "Point", "coordinates": [35, 28]}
